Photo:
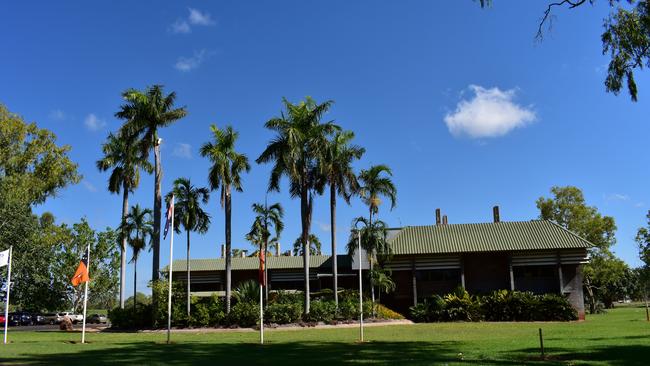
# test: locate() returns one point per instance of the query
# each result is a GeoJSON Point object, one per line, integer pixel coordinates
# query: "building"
{"type": "Point", "coordinates": [538, 256]}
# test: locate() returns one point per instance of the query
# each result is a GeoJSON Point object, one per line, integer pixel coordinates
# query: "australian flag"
{"type": "Point", "coordinates": [168, 215]}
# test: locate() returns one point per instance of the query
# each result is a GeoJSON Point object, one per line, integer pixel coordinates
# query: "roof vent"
{"type": "Point", "coordinates": [444, 220]}
{"type": "Point", "coordinates": [437, 216]}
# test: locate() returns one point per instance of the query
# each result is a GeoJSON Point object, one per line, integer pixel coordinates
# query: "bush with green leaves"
{"type": "Point", "coordinates": [501, 305]}
{"type": "Point", "coordinates": [244, 314]}
{"type": "Point", "coordinates": [321, 311]}
{"type": "Point", "coordinates": [283, 312]}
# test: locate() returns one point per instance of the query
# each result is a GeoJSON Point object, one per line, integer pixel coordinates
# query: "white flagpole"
{"type": "Point", "coordinates": [8, 290]}
{"type": "Point", "coordinates": [360, 290]}
{"type": "Point", "coordinates": [261, 316]}
{"type": "Point", "coordinates": [169, 290]}
{"type": "Point", "coordinates": [83, 329]}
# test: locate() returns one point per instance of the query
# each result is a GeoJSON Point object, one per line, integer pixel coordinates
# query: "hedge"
{"type": "Point", "coordinates": [502, 305]}
{"type": "Point", "coordinates": [283, 308]}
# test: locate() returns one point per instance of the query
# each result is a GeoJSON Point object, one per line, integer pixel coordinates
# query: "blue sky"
{"type": "Point", "coordinates": [460, 101]}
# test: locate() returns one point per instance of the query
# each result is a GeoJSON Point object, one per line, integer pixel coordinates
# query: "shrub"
{"type": "Point", "coordinates": [216, 308]}
{"type": "Point", "coordinates": [386, 313]}
{"type": "Point", "coordinates": [461, 306]}
{"type": "Point", "coordinates": [200, 312]}
{"type": "Point", "coordinates": [556, 307]}
{"type": "Point", "coordinates": [247, 291]}
{"type": "Point", "coordinates": [500, 305]}
{"type": "Point", "coordinates": [244, 314]}
{"type": "Point", "coordinates": [283, 313]}
{"type": "Point", "coordinates": [127, 318]}
{"type": "Point", "coordinates": [321, 310]}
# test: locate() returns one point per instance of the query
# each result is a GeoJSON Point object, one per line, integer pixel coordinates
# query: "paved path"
{"type": "Point", "coordinates": [49, 328]}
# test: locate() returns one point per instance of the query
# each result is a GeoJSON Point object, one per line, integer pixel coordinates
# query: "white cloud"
{"type": "Point", "coordinates": [182, 150]}
{"type": "Point", "coordinates": [93, 123]}
{"type": "Point", "coordinates": [490, 113]}
{"type": "Point", "coordinates": [185, 64]}
{"type": "Point", "coordinates": [57, 115]}
{"type": "Point", "coordinates": [324, 226]}
{"type": "Point", "coordinates": [89, 186]}
{"type": "Point", "coordinates": [617, 197]}
{"type": "Point", "coordinates": [196, 17]}
{"type": "Point", "coordinates": [181, 26]}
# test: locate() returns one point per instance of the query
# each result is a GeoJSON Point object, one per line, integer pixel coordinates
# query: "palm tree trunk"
{"type": "Point", "coordinates": [157, 204]}
{"type": "Point", "coordinates": [135, 284]}
{"type": "Point", "coordinates": [304, 210]}
{"type": "Point", "coordinates": [228, 249]}
{"type": "Point", "coordinates": [333, 232]}
{"type": "Point", "coordinates": [188, 274]}
{"type": "Point", "coordinates": [125, 212]}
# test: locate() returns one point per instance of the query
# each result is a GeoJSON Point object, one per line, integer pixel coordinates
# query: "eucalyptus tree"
{"type": "Point", "coordinates": [267, 218]}
{"type": "Point", "coordinates": [125, 158]}
{"type": "Point", "coordinates": [189, 214]}
{"type": "Point", "coordinates": [336, 165]}
{"type": "Point", "coordinates": [136, 228]}
{"type": "Point", "coordinates": [145, 112]}
{"type": "Point", "coordinates": [225, 174]}
{"type": "Point", "coordinates": [299, 143]}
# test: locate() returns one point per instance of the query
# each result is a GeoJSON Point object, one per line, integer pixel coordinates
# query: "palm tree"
{"type": "Point", "coordinates": [123, 156]}
{"type": "Point", "coordinates": [373, 241]}
{"type": "Point", "coordinates": [374, 185]}
{"type": "Point", "coordinates": [225, 173]}
{"type": "Point", "coordinates": [238, 252]}
{"type": "Point", "coordinates": [314, 246]}
{"type": "Point", "coordinates": [189, 214]}
{"type": "Point", "coordinates": [267, 217]}
{"type": "Point", "coordinates": [381, 277]}
{"type": "Point", "coordinates": [337, 168]}
{"type": "Point", "coordinates": [299, 144]}
{"type": "Point", "coordinates": [136, 228]}
{"type": "Point", "coordinates": [145, 112]}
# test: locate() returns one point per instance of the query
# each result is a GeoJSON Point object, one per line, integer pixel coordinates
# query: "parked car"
{"type": "Point", "coordinates": [2, 320]}
{"type": "Point", "coordinates": [38, 319]}
{"type": "Point", "coordinates": [50, 318]}
{"type": "Point", "coordinates": [20, 318]}
{"type": "Point", "coordinates": [97, 319]}
{"type": "Point", "coordinates": [74, 317]}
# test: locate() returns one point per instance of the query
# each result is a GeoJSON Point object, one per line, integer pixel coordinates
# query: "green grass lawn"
{"type": "Point", "coordinates": [620, 337]}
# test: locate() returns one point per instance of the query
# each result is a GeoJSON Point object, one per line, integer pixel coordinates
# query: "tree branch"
{"type": "Point", "coordinates": [547, 15]}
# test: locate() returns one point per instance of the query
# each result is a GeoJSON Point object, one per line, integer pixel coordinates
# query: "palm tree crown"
{"type": "Point", "coordinates": [227, 163]}
{"type": "Point", "coordinates": [374, 185]}
{"type": "Point", "coordinates": [147, 111]}
{"type": "Point", "coordinates": [336, 164]}
{"type": "Point", "coordinates": [137, 227]}
{"type": "Point", "coordinates": [187, 206]}
{"type": "Point", "coordinates": [121, 154]}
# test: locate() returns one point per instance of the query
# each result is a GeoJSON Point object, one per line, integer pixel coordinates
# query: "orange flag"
{"type": "Point", "coordinates": [81, 274]}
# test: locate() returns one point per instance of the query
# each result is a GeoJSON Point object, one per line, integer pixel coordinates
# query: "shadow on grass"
{"type": "Point", "coordinates": [286, 354]}
{"type": "Point", "coordinates": [628, 355]}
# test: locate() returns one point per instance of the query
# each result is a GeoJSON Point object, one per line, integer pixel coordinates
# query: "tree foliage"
{"type": "Point", "coordinates": [568, 209]}
{"type": "Point", "coordinates": [32, 166]}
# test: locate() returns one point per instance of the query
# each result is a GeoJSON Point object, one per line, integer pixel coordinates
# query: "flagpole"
{"type": "Point", "coordinates": [169, 290]}
{"type": "Point", "coordinates": [83, 329]}
{"type": "Point", "coordinates": [8, 290]}
{"type": "Point", "coordinates": [360, 289]}
{"type": "Point", "coordinates": [261, 316]}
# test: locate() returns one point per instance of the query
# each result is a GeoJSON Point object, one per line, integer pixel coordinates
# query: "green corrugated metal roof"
{"type": "Point", "coordinates": [251, 263]}
{"type": "Point", "coordinates": [485, 237]}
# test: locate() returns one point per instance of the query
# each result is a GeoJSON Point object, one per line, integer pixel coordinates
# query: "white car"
{"type": "Point", "coordinates": [74, 317]}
